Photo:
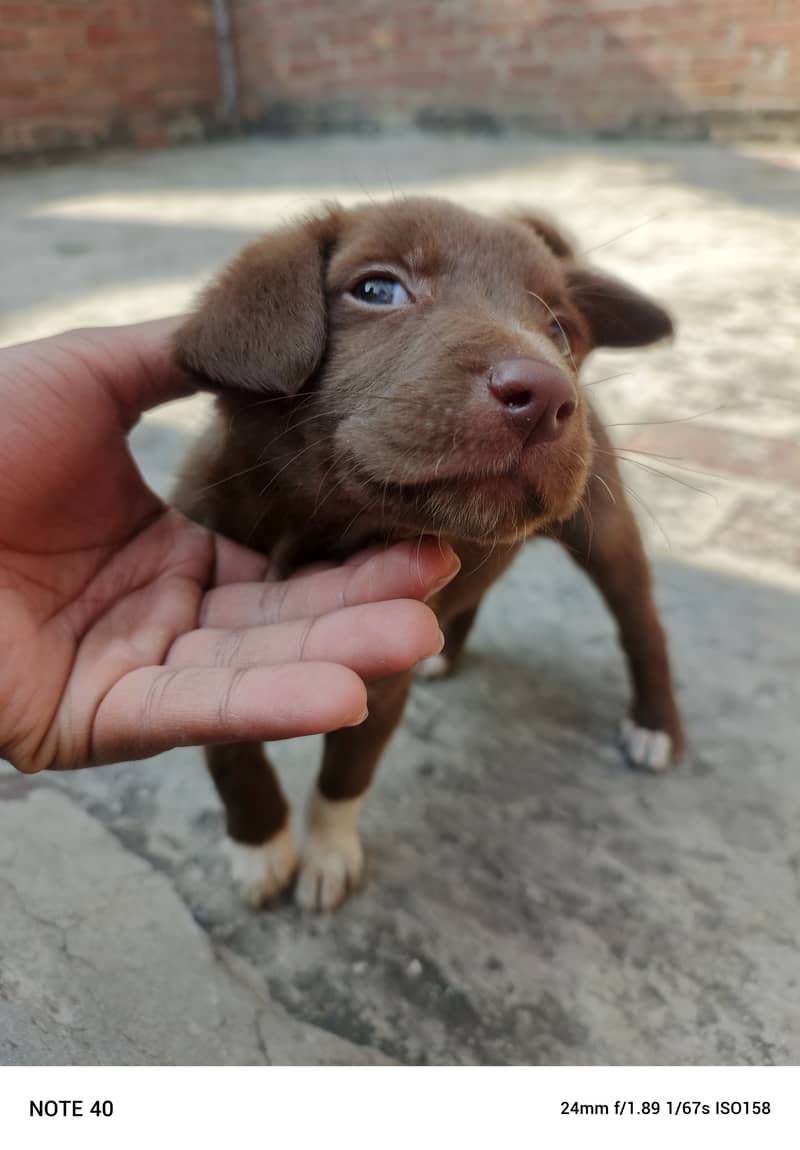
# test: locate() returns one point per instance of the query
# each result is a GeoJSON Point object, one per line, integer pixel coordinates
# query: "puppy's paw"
{"type": "Point", "coordinates": [644, 748]}
{"type": "Point", "coordinates": [434, 667]}
{"type": "Point", "coordinates": [333, 858]}
{"type": "Point", "coordinates": [329, 873]}
{"type": "Point", "coordinates": [261, 873]}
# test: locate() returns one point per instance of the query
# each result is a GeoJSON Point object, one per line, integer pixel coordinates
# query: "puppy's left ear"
{"type": "Point", "coordinates": [617, 314]}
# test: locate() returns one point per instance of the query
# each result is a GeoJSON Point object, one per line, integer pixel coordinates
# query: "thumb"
{"type": "Point", "coordinates": [135, 362]}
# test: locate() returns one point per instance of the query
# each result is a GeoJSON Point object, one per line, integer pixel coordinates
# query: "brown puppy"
{"type": "Point", "coordinates": [397, 369]}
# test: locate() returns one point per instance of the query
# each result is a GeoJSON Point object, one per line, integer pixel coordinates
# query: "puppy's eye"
{"type": "Point", "coordinates": [384, 291]}
{"type": "Point", "coordinates": [560, 336]}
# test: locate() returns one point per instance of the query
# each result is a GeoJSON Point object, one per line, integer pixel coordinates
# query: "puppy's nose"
{"type": "Point", "coordinates": [538, 398]}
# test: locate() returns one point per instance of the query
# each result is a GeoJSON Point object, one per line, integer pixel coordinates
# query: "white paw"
{"type": "Point", "coordinates": [434, 667]}
{"type": "Point", "coordinates": [333, 858]}
{"type": "Point", "coordinates": [261, 873]}
{"type": "Point", "coordinates": [651, 750]}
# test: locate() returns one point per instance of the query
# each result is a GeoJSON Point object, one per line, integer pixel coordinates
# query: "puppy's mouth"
{"type": "Point", "coordinates": [502, 480]}
{"type": "Point", "coordinates": [518, 491]}
{"type": "Point", "coordinates": [502, 488]}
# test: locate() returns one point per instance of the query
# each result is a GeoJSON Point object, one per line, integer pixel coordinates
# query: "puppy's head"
{"type": "Point", "coordinates": [432, 356]}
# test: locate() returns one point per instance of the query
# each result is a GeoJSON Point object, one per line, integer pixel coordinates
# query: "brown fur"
{"type": "Point", "coordinates": [342, 424]}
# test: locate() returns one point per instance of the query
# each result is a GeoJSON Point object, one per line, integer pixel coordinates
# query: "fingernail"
{"type": "Point", "coordinates": [357, 722]}
{"type": "Point", "coordinates": [440, 648]}
{"type": "Point", "coordinates": [437, 587]}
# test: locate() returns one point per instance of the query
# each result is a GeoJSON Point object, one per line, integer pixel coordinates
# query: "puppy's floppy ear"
{"type": "Point", "coordinates": [617, 314]}
{"type": "Point", "coordinates": [263, 323]}
{"type": "Point", "coordinates": [548, 231]}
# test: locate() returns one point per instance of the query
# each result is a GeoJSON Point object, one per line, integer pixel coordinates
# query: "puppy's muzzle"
{"type": "Point", "coordinates": [537, 399]}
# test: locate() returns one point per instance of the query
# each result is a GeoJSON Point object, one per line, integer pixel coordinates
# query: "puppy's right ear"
{"type": "Point", "coordinates": [262, 325]}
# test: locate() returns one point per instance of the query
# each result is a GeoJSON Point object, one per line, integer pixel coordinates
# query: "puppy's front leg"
{"type": "Point", "coordinates": [259, 845]}
{"type": "Point", "coordinates": [333, 859]}
{"type": "Point", "coordinates": [604, 539]}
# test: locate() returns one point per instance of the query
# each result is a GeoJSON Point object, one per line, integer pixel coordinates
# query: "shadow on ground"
{"type": "Point", "coordinates": [530, 899]}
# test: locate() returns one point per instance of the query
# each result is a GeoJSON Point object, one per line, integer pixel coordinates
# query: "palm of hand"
{"type": "Point", "coordinates": [125, 628]}
{"type": "Point", "coordinates": [97, 577]}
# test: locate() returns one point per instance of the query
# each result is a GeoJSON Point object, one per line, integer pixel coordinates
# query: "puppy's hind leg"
{"type": "Point", "coordinates": [259, 845]}
{"type": "Point", "coordinates": [606, 543]}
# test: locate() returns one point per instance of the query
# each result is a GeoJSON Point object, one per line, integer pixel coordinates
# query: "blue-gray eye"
{"type": "Point", "coordinates": [382, 291]}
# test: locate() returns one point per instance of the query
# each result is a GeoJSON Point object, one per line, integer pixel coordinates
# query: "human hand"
{"type": "Point", "coordinates": [126, 629]}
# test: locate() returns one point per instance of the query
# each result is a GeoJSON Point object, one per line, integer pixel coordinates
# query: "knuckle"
{"type": "Point", "coordinates": [227, 648]}
{"type": "Point", "coordinates": [303, 638]}
{"type": "Point", "coordinates": [225, 705]}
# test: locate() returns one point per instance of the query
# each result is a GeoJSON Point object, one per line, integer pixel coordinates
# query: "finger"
{"type": "Point", "coordinates": [155, 708]}
{"type": "Point", "coordinates": [314, 568]}
{"type": "Point", "coordinates": [405, 571]}
{"type": "Point", "coordinates": [375, 639]}
{"type": "Point", "coordinates": [234, 563]}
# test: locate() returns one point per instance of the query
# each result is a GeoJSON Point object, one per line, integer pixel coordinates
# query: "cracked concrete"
{"type": "Point", "coordinates": [85, 930]}
{"type": "Point", "coordinates": [529, 899]}
{"type": "Point", "coordinates": [101, 961]}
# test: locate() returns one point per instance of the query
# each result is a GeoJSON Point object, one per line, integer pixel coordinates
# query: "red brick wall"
{"type": "Point", "coordinates": [562, 65]}
{"type": "Point", "coordinates": [76, 73]}
{"type": "Point", "coordinates": [91, 72]}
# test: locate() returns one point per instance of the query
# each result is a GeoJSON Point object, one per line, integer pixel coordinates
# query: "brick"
{"type": "Point", "coordinates": [102, 34]}
{"type": "Point", "coordinates": [24, 15]}
{"type": "Point", "coordinates": [724, 452]}
{"type": "Point", "coordinates": [763, 527]}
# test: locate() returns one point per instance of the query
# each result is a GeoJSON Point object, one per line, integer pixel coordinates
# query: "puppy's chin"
{"type": "Point", "coordinates": [497, 510]}
{"type": "Point", "coordinates": [493, 509]}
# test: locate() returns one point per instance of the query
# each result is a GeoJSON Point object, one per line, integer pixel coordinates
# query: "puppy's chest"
{"type": "Point", "coordinates": [286, 514]}
{"type": "Point", "coordinates": [292, 538]}
{"type": "Point", "coordinates": [289, 528]}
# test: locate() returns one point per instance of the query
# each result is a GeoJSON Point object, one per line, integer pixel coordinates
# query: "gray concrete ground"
{"type": "Point", "coordinates": [529, 899]}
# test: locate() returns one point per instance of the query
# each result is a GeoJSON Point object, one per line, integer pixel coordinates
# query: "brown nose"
{"type": "Point", "coordinates": [538, 398]}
